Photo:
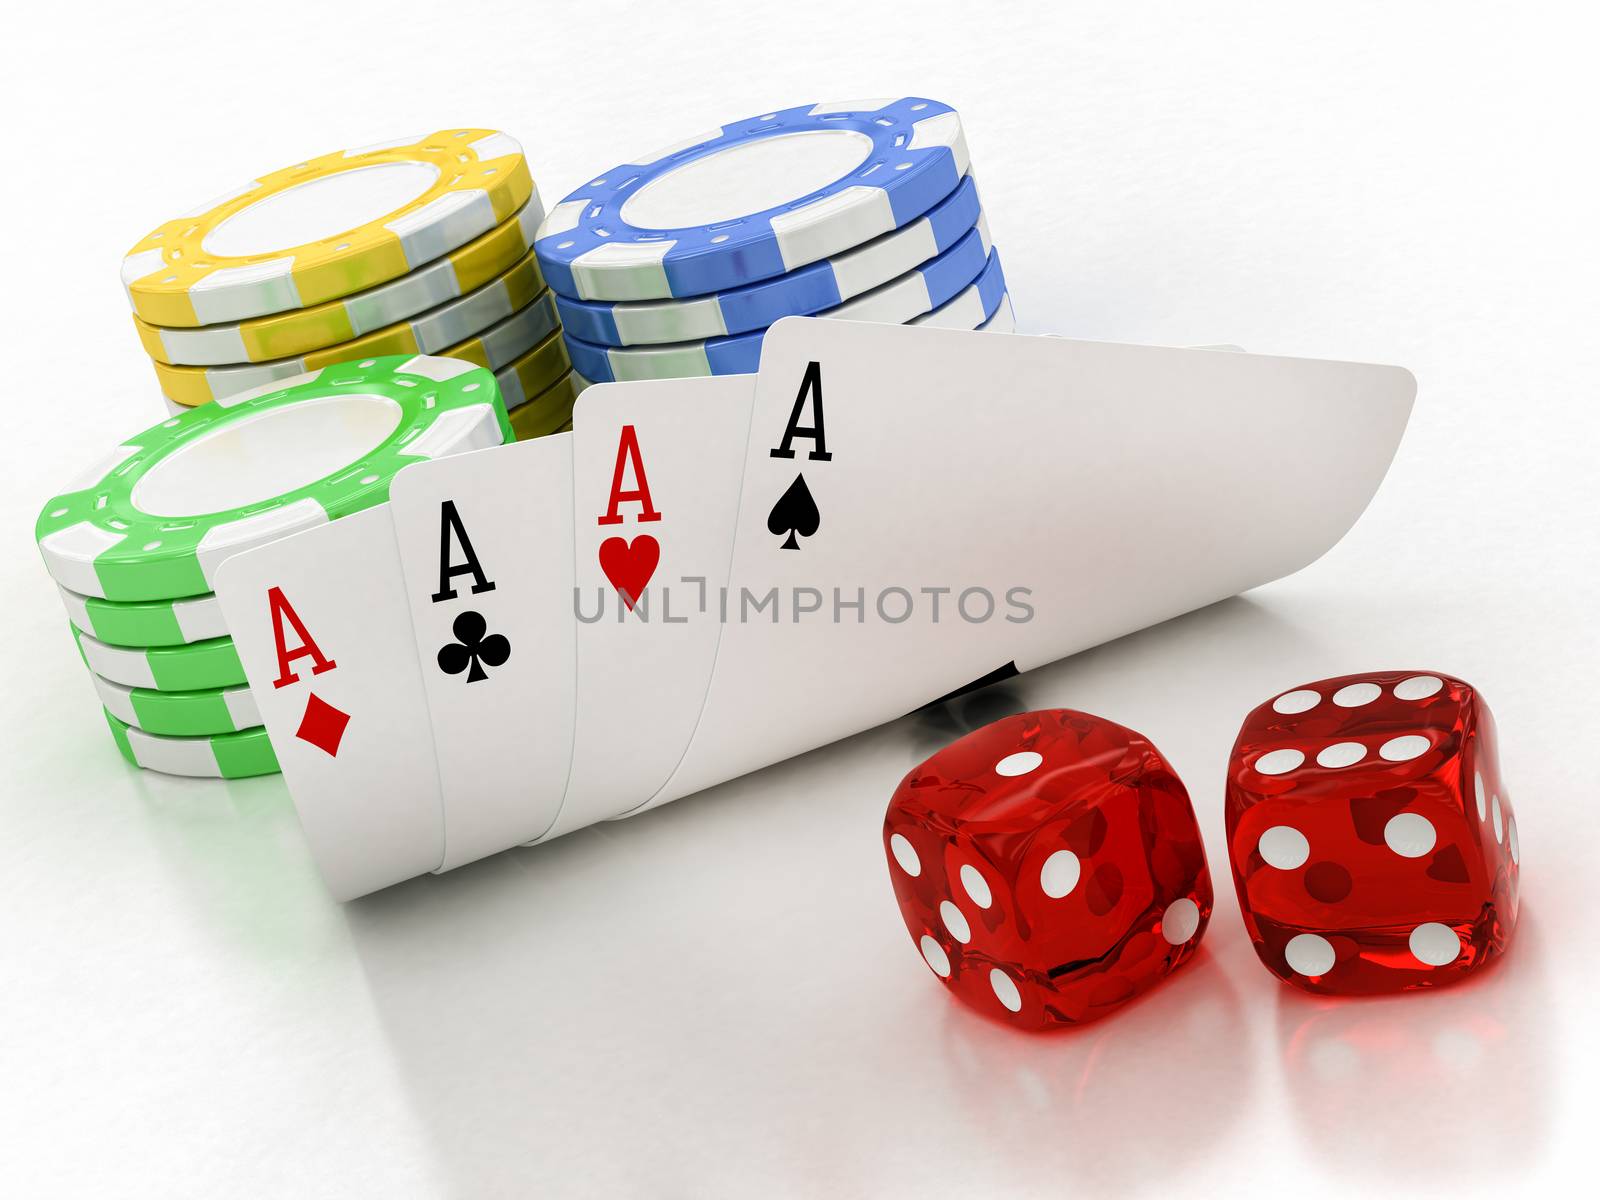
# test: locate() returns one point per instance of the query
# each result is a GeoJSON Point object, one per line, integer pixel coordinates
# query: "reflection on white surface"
{"type": "Point", "coordinates": [726, 981]}
{"type": "Point", "coordinates": [729, 975]}
{"type": "Point", "coordinates": [831, 1060]}
{"type": "Point", "coordinates": [1125, 1103]}
{"type": "Point", "coordinates": [1425, 1085]}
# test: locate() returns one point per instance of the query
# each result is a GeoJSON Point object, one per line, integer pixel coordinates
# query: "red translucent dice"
{"type": "Point", "coordinates": [1371, 838]}
{"type": "Point", "coordinates": [1048, 867]}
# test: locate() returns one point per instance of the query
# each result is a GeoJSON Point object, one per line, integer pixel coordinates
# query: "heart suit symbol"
{"type": "Point", "coordinates": [629, 565]}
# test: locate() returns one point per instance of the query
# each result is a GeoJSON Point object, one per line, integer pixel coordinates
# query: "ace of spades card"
{"type": "Point", "coordinates": [486, 549]}
{"type": "Point", "coordinates": [656, 470]}
{"type": "Point", "coordinates": [922, 508]}
{"type": "Point", "coordinates": [816, 524]}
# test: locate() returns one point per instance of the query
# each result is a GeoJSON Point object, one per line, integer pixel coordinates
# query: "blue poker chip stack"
{"type": "Point", "coordinates": [675, 265]}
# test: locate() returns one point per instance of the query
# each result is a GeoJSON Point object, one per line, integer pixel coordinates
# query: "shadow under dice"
{"type": "Point", "coordinates": [1371, 839]}
{"type": "Point", "coordinates": [1048, 867]}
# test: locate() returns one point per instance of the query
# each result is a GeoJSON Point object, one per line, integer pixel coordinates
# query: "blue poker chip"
{"type": "Point", "coordinates": [959, 289]}
{"type": "Point", "coordinates": [753, 200]}
{"type": "Point", "coordinates": [977, 305]}
{"type": "Point", "coordinates": [810, 289]}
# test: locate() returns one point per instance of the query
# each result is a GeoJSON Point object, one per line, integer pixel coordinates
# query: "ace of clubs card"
{"type": "Point", "coordinates": [486, 549]}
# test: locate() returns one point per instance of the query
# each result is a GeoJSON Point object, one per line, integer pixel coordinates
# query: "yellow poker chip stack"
{"type": "Point", "coordinates": [416, 246]}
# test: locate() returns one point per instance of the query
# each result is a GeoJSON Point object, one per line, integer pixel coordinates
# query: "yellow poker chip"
{"type": "Point", "coordinates": [326, 228]}
{"type": "Point", "coordinates": [535, 371]}
{"type": "Point", "coordinates": [548, 412]}
{"type": "Point", "coordinates": [302, 330]}
{"type": "Point", "coordinates": [492, 346]}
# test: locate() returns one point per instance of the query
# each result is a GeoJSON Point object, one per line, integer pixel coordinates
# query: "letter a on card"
{"type": "Point", "coordinates": [322, 628]}
{"type": "Point", "coordinates": [655, 486]}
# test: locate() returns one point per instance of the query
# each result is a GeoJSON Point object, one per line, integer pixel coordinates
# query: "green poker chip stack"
{"type": "Point", "coordinates": [134, 545]}
{"type": "Point", "coordinates": [224, 756]}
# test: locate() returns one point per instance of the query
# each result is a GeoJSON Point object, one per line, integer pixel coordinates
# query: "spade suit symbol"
{"type": "Point", "coordinates": [795, 513]}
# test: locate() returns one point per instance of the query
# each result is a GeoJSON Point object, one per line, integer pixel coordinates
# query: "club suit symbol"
{"type": "Point", "coordinates": [474, 648]}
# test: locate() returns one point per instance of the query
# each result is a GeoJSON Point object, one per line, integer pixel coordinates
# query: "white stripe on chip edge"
{"type": "Point", "coordinates": [647, 278]}
{"type": "Point", "coordinates": [220, 540]}
{"type": "Point", "coordinates": [432, 367]}
{"type": "Point", "coordinates": [666, 321]}
{"type": "Point", "coordinates": [1004, 319]}
{"type": "Point", "coordinates": [77, 609]}
{"type": "Point", "coordinates": [117, 697]}
{"type": "Point", "coordinates": [658, 362]}
{"type": "Point", "coordinates": [70, 555]}
{"type": "Point", "coordinates": [242, 709]}
{"type": "Point", "coordinates": [860, 270]}
{"type": "Point", "coordinates": [458, 431]}
{"type": "Point", "coordinates": [222, 295]}
{"type": "Point", "coordinates": [807, 234]}
{"type": "Point", "coordinates": [442, 225]}
{"type": "Point", "coordinates": [117, 664]}
{"type": "Point", "coordinates": [173, 755]}
{"type": "Point", "coordinates": [964, 312]}
{"type": "Point", "coordinates": [199, 619]}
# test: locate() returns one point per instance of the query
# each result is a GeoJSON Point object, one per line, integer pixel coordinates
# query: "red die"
{"type": "Point", "coordinates": [1048, 867]}
{"type": "Point", "coordinates": [1371, 839]}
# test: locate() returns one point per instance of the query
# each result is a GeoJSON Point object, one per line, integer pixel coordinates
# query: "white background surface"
{"type": "Point", "coordinates": [719, 999]}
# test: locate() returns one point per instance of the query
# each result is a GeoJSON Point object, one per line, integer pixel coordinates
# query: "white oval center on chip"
{"type": "Point", "coordinates": [320, 208]}
{"type": "Point", "coordinates": [278, 451]}
{"type": "Point", "coordinates": [746, 178]}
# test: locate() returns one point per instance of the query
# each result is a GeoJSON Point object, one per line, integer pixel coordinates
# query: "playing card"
{"type": "Point", "coordinates": [486, 552]}
{"type": "Point", "coordinates": [322, 628]}
{"type": "Point", "coordinates": [655, 490]}
{"type": "Point", "coordinates": [921, 508]}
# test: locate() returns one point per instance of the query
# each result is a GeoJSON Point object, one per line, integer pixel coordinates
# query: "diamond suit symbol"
{"type": "Point", "coordinates": [323, 725]}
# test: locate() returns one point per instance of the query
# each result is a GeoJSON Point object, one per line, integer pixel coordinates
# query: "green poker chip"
{"type": "Point", "coordinates": [155, 518]}
{"type": "Point", "coordinates": [146, 622]}
{"type": "Point", "coordinates": [213, 663]}
{"type": "Point", "coordinates": [224, 756]}
{"type": "Point", "coordinates": [188, 714]}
